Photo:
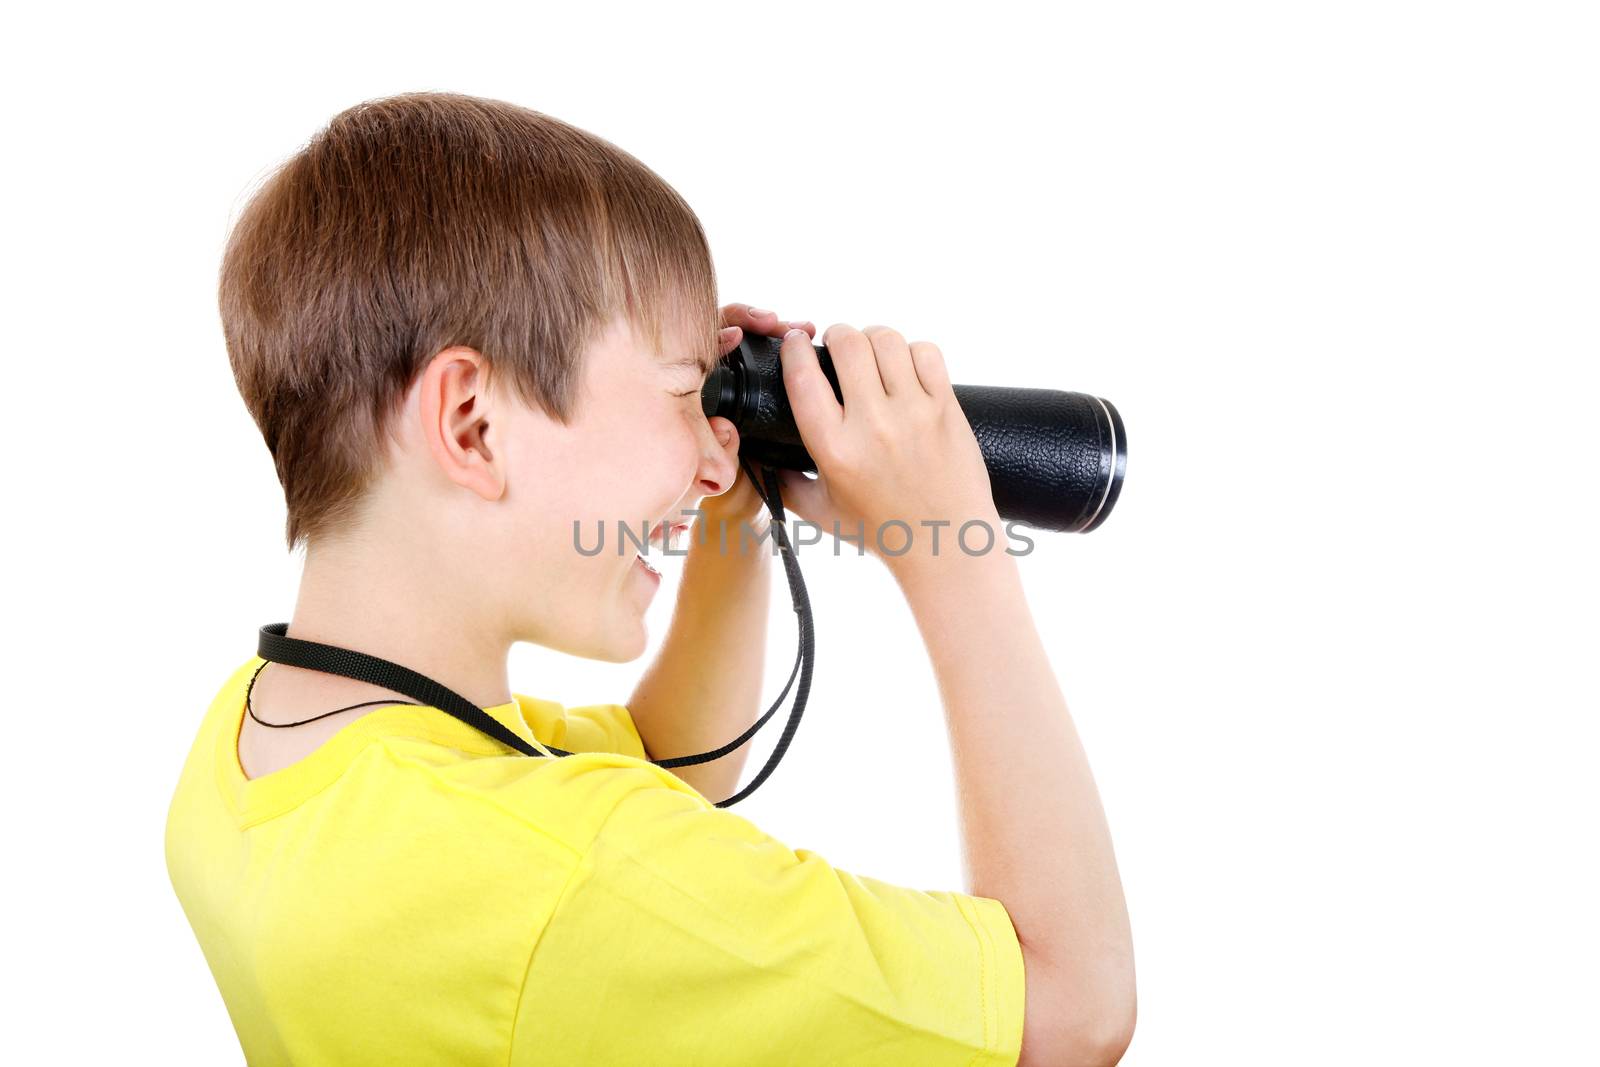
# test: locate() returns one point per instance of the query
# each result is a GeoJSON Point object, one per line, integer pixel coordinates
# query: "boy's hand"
{"type": "Point", "coordinates": [736, 318]}
{"type": "Point", "coordinates": [741, 502]}
{"type": "Point", "coordinates": [899, 449]}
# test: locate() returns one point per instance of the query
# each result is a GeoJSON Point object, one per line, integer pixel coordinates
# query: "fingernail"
{"type": "Point", "coordinates": [794, 333]}
{"type": "Point", "coordinates": [759, 311]}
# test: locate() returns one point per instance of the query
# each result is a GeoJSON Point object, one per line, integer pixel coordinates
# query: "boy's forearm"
{"type": "Point", "coordinates": [704, 687]}
{"type": "Point", "coordinates": [1034, 834]}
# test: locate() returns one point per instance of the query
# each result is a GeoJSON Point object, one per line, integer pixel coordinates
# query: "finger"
{"type": "Point", "coordinates": [756, 320]}
{"type": "Point", "coordinates": [894, 361]}
{"type": "Point", "coordinates": [728, 339]}
{"type": "Point", "coordinates": [931, 371]}
{"type": "Point", "coordinates": [763, 322]}
{"type": "Point", "coordinates": [856, 367]}
{"type": "Point", "coordinates": [817, 413]}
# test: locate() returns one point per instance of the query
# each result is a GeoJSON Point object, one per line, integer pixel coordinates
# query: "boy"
{"type": "Point", "coordinates": [467, 330]}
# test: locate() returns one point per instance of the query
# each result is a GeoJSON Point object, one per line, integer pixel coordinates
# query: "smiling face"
{"type": "Point", "coordinates": [637, 450]}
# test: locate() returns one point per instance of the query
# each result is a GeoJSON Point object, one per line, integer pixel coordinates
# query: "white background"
{"type": "Point", "coordinates": [1333, 655]}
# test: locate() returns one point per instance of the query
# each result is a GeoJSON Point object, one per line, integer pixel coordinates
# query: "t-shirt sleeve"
{"type": "Point", "coordinates": [603, 728]}
{"type": "Point", "coordinates": [686, 935]}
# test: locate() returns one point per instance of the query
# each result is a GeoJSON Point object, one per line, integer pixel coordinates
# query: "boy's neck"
{"type": "Point", "coordinates": [367, 600]}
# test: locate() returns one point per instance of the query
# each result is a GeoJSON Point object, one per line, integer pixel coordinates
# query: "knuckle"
{"type": "Point", "coordinates": [842, 336]}
{"type": "Point", "coordinates": [881, 334]}
{"type": "Point", "coordinates": [879, 429]}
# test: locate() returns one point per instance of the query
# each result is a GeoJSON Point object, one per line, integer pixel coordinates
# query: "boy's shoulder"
{"type": "Point", "coordinates": [422, 761]}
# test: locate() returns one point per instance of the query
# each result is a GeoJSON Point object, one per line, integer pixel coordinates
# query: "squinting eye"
{"type": "Point", "coordinates": [692, 392]}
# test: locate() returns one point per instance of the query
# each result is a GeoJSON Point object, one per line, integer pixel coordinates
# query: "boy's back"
{"type": "Point", "coordinates": [408, 893]}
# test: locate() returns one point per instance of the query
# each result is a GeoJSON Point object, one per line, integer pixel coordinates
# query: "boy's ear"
{"type": "Point", "coordinates": [456, 421]}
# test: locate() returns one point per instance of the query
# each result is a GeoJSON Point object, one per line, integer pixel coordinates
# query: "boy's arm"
{"type": "Point", "coordinates": [704, 687]}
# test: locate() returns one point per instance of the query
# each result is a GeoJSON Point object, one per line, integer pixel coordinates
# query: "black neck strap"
{"type": "Point", "coordinates": [276, 646]}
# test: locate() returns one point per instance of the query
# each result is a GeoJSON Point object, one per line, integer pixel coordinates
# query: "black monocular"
{"type": "Point", "coordinates": [1055, 458]}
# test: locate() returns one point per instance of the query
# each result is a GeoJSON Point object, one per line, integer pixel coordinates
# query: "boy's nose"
{"type": "Point", "coordinates": [717, 468]}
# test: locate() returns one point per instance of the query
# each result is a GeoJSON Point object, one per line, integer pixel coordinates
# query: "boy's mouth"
{"type": "Point", "coordinates": [666, 533]}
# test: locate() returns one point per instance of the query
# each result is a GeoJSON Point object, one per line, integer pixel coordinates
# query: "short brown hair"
{"type": "Point", "coordinates": [417, 222]}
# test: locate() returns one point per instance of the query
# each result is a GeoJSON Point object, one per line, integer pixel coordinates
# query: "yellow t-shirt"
{"type": "Point", "coordinates": [412, 892]}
